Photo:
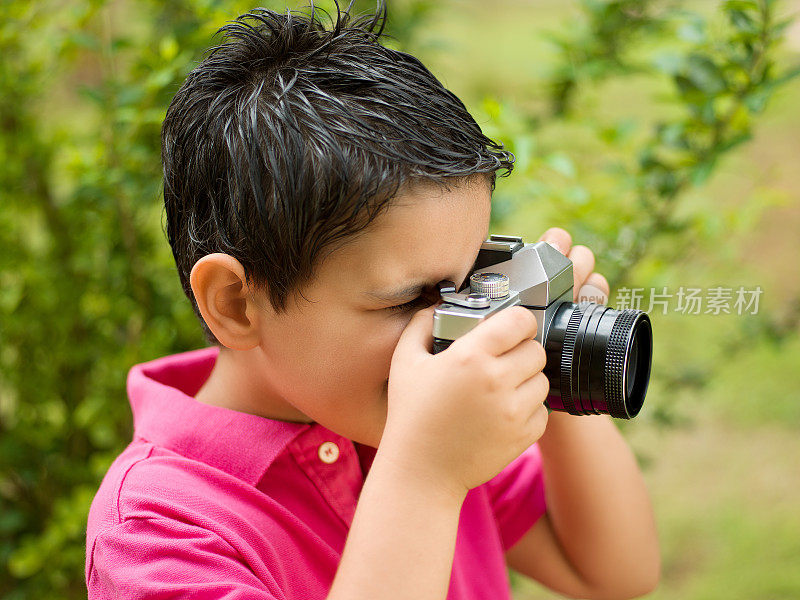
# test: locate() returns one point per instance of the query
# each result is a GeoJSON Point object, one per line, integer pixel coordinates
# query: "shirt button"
{"type": "Point", "coordinates": [328, 452]}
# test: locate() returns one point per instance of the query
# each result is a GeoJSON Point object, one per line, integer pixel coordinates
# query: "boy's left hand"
{"type": "Point", "coordinates": [588, 285]}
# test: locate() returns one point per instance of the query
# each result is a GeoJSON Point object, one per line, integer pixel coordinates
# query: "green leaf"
{"type": "Point", "coordinates": [702, 172]}
{"type": "Point", "coordinates": [743, 22]}
{"type": "Point", "coordinates": [26, 560]}
{"type": "Point", "coordinates": [735, 141]}
{"type": "Point", "coordinates": [84, 39]}
{"type": "Point", "coordinates": [756, 100]}
{"type": "Point", "coordinates": [694, 31]}
{"type": "Point", "coordinates": [668, 62]}
{"type": "Point", "coordinates": [95, 94]}
{"type": "Point", "coordinates": [673, 135]}
{"type": "Point", "coordinates": [561, 163]}
{"type": "Point", "coordinates": [705, 74]}
{"type": "Point", "coordinates": [577, 195]}
{"type": "Point", "coordinates": [168, 48]}
{"type": "Point", "coordinates": [741, 5]}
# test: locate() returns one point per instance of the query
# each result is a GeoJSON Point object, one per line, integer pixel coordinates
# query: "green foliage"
{"type": "Point", "coordinates": [87, 288]}
{"type": "Point", "coordinates": [623, 204]}
{"type": "Point", "coordinates": [87, 282]}
{"type": "Point", "coordinates": [597, 46]}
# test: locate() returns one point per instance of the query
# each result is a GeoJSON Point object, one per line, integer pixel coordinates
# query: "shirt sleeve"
{"type": "Point", "coordinates": [517, 495]}
{"type": "Point", "coordinates": [158, 558]}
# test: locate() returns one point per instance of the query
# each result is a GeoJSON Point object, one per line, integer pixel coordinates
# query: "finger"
{"type": "Point", "coordinates": [558, 237]}
{"type": "Point", "coordinates": [582, 264]}
{"type": "Point", "coordinates": [537, 422]}
{"type": "Point", "coordinates": [532, 393]}
{"type": "Point", "coordinates": [523, 362]}
{"type": "Point", "coordinates": [417, 336]}
{"type": "Point", "coordinates": [594, 289]}
{"type": "Point", "coordinates": [503, 330]}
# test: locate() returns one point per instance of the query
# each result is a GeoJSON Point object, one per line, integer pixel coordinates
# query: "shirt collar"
{"type": "Point", "coordinates": [165, 412]}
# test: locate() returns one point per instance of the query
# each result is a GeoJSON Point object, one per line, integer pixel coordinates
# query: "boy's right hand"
{"type": "Point", "coordinates": [457, 418]}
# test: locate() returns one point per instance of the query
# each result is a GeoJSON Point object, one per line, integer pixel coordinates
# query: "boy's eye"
{"type": "Point", "coordinates": [418, 302]}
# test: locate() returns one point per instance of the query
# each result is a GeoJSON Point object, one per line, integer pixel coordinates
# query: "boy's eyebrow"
{"type": "Point", "coordinates": [406, 291]}
{"type": "Point", "coordinates": [401, 293]}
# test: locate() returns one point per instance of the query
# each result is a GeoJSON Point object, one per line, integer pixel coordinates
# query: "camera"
{"type": "Point", "coordinates": [598, 358]}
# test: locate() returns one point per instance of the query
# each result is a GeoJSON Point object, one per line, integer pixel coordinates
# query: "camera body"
{"type": "Point", "coordinates": [540, 276]}
{"type": "Point", "coordinates": [598, 358]}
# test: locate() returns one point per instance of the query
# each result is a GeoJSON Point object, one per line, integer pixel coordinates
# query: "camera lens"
{"type": "Point", "coordinates": [631, 367]}
{"type": "Point", "coordinates": [598, 360]}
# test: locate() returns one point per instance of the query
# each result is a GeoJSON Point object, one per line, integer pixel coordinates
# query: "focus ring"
{"type": "Point", "coordinates": [567, 350]}
{"type": "Point", "coordinates": [614, 380]}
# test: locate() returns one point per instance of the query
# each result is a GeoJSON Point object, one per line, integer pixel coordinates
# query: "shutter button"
{"type": "Point", "coordinates": [328, 452]}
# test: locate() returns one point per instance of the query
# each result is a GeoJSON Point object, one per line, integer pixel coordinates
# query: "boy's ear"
{"type": "Point", "coordinates": [225, 301]}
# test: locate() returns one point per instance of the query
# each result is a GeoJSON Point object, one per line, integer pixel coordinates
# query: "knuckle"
{"type": "Point", "coordinates": [538, 424]}
{"type": "Point", "coordinates": [533, 321]}
{"type": "Point", "coordinates": [478, 365]}
{"type": "Point", "coordinates": [539, 354]}
{"type": "Point", "coordinates": [543, 384]}
{"type": "Point", "coordinates": [466, 357]}
{"type": "Point", "coordinates": [493, 377]}
{"type": "Point", "coordinates": [510, 413]}
{"type": "Point", "coordinates": [525, 319]}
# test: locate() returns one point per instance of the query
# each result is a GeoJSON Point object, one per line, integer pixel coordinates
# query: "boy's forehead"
{"type": "Point", "coordinates": [426, 232]}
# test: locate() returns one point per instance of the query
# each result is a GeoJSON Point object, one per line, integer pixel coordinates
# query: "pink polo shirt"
{"type": "Point", "coordinates": [207, 502]}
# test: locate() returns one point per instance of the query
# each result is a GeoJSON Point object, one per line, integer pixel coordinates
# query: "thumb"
{"type": "Point", "coordinates": [418, 335]}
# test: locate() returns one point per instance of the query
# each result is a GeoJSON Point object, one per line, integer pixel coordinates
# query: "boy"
{"type": "Point", "coordinates": [317, 187]}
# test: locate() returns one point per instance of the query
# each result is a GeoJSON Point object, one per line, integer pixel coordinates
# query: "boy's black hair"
{"type": "Point", "coordinates": [289, 137]}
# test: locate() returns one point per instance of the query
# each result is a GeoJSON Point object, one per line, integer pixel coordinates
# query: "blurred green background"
{"type": "Point", "coordinates": [663, 135]}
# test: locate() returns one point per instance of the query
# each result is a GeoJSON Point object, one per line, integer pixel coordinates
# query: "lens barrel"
{"type": "Point", "coordinates": [598, 360]}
